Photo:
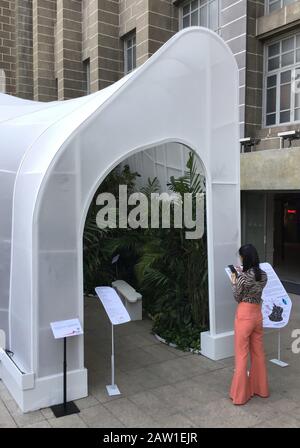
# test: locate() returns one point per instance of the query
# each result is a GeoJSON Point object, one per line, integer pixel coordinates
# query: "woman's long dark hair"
{"type": "Point", "coordinates": [250, 259]}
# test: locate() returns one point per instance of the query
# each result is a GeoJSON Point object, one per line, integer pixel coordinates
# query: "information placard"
{"type": "Point", "coordinates": [113, 305]}
{"type": "Point", "coordinates": [66, 328]}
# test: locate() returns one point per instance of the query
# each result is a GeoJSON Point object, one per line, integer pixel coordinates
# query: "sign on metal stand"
{"type": "Point", "coordinates": [278, 361]}
{"type": "Point", "coordinates": [62, 330]}
{"type": "Point", "coordinates": [276, 308]}
{"type": "Point", "coordinates": [117, 314]}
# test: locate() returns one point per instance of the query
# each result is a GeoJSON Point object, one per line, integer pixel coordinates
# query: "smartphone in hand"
{"type": "Point", "coordinates": [233, 270]}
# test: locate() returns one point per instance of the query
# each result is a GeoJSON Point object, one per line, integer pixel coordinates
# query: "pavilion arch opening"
{"type": "Point", "coordinates": [167, 268]}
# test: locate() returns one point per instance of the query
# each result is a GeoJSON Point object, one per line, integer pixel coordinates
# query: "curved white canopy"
{"type": "Point", "coordinates": [53, 157]}
{"type": "Point", "coordinates": [22, 125]}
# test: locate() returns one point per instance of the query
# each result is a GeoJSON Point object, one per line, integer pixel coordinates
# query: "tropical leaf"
{"type": "Point", "coordinates": [152, 186]}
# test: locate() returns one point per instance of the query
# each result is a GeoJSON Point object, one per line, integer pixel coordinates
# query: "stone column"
{"type": "Point", "coordinates": [254, 70]}
{"type": "Point", "coordinates": [7, 46]}
{"type": "Point", "coordinates": [105, 43]}
{"type": "Point", "coordinates": [24, 54]}
{"type": "Point", "coordinates": [69, 65]}
{"type": "Point", "coordinates": [44, 17]}
{"type": "Point", "coordinates": [233, 29]}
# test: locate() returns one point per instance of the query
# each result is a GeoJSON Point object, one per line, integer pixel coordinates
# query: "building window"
{"type": "Point", "coordinates": [2, 81]}
{"type": "Point", "coordinates": [282, 81]}
{"type": "Point", "coordinates": [200, 13]}
{"type": "Point", "coordinates": [274, 5]}
{"type": "Point", "coordinates": [86, 77]}
{"type": "Point", "coordinates": [130, 53]}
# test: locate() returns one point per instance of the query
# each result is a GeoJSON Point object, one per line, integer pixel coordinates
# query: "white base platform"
{"type": "Point", "coordinates": [218, 346]}
{"type": "Point", "coordinates": [113, 389]}
{"type": "Point", "coordinates": [279, 363]}
{"type": "Point", "coordinates": [32, 393]}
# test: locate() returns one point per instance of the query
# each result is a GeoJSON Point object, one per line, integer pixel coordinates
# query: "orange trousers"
{"type": "Point", "coordinates": [248, 337]}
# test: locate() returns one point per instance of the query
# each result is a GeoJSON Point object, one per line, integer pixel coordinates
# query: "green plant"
{"type": "Point", "coordinates": [172, 274]}
{"type": "Point", "coordinates": [195, 250]}
{"type": "Point", "coordinates": [97, 267]}
{"type": "Point", "coordinates": [168, 269]}
{"type": "Point", "coordinates": [168, 254]}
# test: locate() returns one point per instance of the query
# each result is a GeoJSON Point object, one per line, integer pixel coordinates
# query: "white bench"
{"type": "Point", "coordinates": [131, 299]}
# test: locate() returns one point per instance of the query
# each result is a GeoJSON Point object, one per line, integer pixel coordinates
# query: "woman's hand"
{"type": "Point", "coordinates": [233, 278]}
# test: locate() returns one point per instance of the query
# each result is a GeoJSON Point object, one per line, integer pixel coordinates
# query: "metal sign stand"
{"type": "Point", "coordinates": [278, 361]}
{"type": "Point", "coordinates": [112, 389]}
{"type": "Point", "coordinates": [117, 314]}
{"type": "Point", "coordinates": [66, 408]}
{"type": "Point", "coordinates": [62, 330]}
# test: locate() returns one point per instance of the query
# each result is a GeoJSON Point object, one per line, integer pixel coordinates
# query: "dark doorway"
{"type": "Point", "coordinates": [287, 236]}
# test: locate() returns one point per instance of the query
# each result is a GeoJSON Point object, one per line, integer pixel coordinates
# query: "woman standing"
{"type": "Point", "coordinates": [248, 329]}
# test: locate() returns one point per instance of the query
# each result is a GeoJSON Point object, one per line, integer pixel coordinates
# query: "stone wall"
{"type": "Point", "coordinates": [8, 45]}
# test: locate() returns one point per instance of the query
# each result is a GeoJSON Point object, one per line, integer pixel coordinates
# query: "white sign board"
{"type": "Point", "coordinates": [113, 305]}
{"type": "Point", "coordinates": [277, 305]}
{"type": "Point", "coordinates": [66, 328]}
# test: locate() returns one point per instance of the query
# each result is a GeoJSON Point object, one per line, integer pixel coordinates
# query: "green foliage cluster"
{"type": "Point", "coordinates": [169, 270]}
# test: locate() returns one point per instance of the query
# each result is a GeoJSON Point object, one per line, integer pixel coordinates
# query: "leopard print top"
{"type": "Point", "coordinates": [247, 289]}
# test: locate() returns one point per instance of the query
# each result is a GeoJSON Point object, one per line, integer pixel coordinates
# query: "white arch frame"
{"type": "Point", "coordinates": [63, 164]}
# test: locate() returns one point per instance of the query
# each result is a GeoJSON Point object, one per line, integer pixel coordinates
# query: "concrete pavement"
{"type": "Point", "coordinates": [163, 387]}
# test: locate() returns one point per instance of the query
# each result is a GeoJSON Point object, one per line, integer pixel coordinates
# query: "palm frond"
{"type": "Point", "coordinates": [153, 186]}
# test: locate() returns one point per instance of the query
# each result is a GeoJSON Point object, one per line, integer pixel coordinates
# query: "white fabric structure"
{"type": "Point", "coordinates": [53, 157]}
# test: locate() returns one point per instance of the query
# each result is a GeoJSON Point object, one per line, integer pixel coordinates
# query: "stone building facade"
{"type": "Point", "coordinates": [61, 49]}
